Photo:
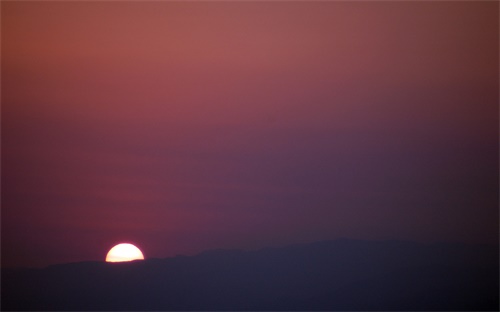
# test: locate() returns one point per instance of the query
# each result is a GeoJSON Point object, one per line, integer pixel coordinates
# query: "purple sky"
{"type": "Point", "coordinates": [186, 126]}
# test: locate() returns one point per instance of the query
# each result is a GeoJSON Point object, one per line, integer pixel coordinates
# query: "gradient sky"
{"type": "Point", "coordinates": [186, 126]}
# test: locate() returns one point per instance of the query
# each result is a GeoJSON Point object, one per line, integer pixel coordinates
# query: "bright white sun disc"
{"type": "Point", "coordinates": [124, 252]}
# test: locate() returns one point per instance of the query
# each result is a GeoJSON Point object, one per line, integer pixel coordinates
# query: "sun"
{"type": "Point", "coordinates": [124, 252]}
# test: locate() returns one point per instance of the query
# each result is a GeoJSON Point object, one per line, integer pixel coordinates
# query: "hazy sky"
{"type": "Point", "coordinates": [186, 126]}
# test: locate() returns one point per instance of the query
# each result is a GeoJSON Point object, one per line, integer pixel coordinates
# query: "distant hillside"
{"type": "Point", "coordinates": [331, 275]}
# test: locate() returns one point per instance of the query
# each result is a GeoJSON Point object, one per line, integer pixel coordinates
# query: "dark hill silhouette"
{"type": "Point", "coordinates": [331, 275]}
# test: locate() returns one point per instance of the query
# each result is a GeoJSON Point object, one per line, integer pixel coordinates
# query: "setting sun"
{"type": "Point", "coordinates": [124, 252]}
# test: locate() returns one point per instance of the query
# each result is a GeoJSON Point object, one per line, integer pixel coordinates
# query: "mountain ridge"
{"type": "Point", "coordinates": [340, 274]}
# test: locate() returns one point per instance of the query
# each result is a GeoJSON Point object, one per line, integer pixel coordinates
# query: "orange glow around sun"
{"type": "Point", "coordinates": [124, 252]}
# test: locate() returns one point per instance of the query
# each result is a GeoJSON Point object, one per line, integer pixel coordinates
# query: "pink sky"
{"type": "Point", "coordinates": [184, 126]}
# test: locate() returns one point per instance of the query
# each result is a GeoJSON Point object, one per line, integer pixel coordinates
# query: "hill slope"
{"type": "Point", "coordinates": [332, 275]}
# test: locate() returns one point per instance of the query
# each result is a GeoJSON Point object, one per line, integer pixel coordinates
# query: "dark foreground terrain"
{"type": "Point", "coordinates": [332, 275]}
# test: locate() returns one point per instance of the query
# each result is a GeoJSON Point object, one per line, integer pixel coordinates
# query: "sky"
{"type": "Point", "coordinates": [186, 126]}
